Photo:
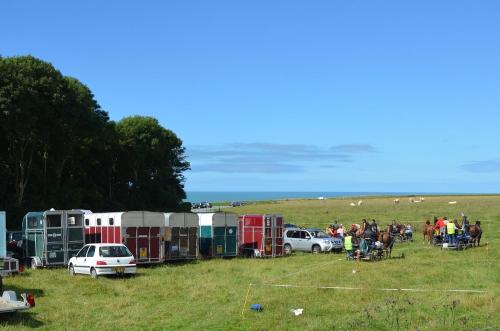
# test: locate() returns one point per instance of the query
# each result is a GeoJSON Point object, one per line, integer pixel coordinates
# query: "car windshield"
{"type": "Point", "coordinates": [319, 234]}
{"type": "Point", "coordinates": [114, 251]}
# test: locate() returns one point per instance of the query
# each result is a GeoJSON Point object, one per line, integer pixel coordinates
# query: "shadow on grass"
{"type": "Point", "coordinates": [24, 318]}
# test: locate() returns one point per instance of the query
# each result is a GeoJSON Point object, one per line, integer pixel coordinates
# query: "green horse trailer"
{"type": "Point", "coordinates": [218, 234]}
{"type": "Point", "coordinates": [52, 237]}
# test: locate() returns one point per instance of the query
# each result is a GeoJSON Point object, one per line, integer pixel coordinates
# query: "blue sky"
{"type": "Point", "coordinates": [378, 96]}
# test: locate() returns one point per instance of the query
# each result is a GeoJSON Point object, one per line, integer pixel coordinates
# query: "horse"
{"type": "Point", "coordinates": [428, 230]}
{"type": "Point", "coordinates": [385, 237]}
{"type": "Point", "coordinates": [475, 233]}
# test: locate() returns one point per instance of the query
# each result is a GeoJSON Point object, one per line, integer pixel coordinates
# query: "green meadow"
{"type": "Point", "coordinates": [216, 294]}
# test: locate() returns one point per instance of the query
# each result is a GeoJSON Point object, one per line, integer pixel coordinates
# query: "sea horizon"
{"type": "Point", "coordinates": [226, 196]}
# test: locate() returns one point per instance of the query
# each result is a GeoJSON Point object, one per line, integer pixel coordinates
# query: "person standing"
{"type": "Point", "coordinates": [340, 231]}
{"type": "Point", "coordinates": [450, 229]}
{"type": "Point", "coordinates": [348, 245]}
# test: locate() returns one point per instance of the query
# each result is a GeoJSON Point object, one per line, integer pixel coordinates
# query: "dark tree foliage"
{"type": "Point", "coordinates": [150, 165]}
{"type": "Point", "coordinates": [59, 149]}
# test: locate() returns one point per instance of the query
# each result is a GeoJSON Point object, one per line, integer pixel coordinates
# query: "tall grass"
{"type": "Point", "coordinates": [210, 294]}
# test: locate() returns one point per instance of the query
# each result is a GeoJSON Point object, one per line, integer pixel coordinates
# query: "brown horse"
{"type": "Point", "coordinates": [385, 237]}
{"type": "Point", "coordinates": [475, 233]}
{"type": "Point", "coordinates": [428, 229]}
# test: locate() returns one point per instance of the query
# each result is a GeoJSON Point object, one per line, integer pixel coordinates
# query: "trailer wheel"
{"type": "Point", "coordinates": [71, 270]}
{"type": "Point", "coordinates": [33, 264]}
{"type": "Point", "coordinates": [316, 249]}
{"type": "Point", "coordinates": [93, 273]}
{"type": "Point", "coordinates": [288, 249]}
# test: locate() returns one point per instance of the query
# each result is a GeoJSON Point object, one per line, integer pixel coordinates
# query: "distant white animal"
{"type": "Point", "coordinates": [396, 200]}
{"type": "Point", "coordinates": [352, 204]}
{"type": "Point", "coordinates": [452, 202]}
{"type": "Point", "coordinates": [321, 198]}
{"type": "Point", "coordinates": [412, 200]}
{"type": "Point", "coordinates": [360, 202]}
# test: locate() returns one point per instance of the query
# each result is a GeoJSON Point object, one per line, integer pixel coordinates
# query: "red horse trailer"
{"type": "Point", "coordinates": [140, 231]}
{"type": "Point", "coordinates": [261, 235]}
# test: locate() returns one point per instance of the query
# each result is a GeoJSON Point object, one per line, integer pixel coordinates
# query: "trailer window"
{"type": "Point", "coordinates": [87, 222]}
{"type": "Point", "coordinates": [114, 251]}
{"type": "Point", "coordinates": [75, 220]}
{"type": "Point", "coordinates": [53, 221]}
{"type": "Point", "coordinates": [32, 222]}
{"type": "Point", "coordinates": [98, 221]}
{"type": "Point", "coordinates": [111, 221]}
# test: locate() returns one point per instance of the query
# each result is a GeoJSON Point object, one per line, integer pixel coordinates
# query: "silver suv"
{"type": "Point", "coordinates": [310, 240]}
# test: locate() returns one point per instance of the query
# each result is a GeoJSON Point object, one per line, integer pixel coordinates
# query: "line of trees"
{"type": "Point", "coordinates": [59, 149]}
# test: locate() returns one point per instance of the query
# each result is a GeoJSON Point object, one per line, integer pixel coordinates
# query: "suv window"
{"type": "Point", "coordinates": [91, 251]}
{"type": "Point", "coordinates": [289, 234]}
{"type": "Point", "coordinates": [304, 235]}
{"type": "Point", "coordinates": [296, 234]}
{"type": "Point", "coordinates": [83, 252]}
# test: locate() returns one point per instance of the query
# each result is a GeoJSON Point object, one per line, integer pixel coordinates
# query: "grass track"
{"type": "Point", "coordinates": [209, 295]}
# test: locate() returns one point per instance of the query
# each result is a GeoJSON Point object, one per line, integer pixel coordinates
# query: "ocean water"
{"type": "Point", "coordinates": [260, 196]}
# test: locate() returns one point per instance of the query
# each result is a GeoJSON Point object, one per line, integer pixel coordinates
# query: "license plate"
{"type": "Point", "coordinates": [119, 269]}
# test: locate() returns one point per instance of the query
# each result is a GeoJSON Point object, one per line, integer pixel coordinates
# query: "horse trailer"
{"type": "Point", "coordinates": [52, 237]}
{"type": "Point", "coordinates": [140, 231]}
{"type": "Point", "coordinates": [261, 235]}
{"type": "Point", "coordinates": [181, 236]}
{"type": "Point", "coordinates": [218, 234]}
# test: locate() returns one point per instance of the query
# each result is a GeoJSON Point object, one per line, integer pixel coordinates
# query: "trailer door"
{"type": "Point", "coordinates": [54, 245]}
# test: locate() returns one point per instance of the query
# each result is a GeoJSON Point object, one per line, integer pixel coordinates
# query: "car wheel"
{"type": "Point", "coordinates": [288, 249]}
{"type": "Point", "coordinates": [71, 270]}
{"type": "Point", "coordinates": [33, 264]}
{"type": "Point", "coordinates": [316, 249]}
{"type": "Point", "coordinates": [93, 273]}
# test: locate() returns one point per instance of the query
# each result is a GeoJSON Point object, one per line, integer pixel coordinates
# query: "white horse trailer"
{"type": "Point", "coordinates": [140, 231]}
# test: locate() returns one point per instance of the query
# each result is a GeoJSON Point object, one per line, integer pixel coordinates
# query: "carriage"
{"type": "Point", "coordinates": [463, 240]}
{"type": "Point", "coordinates": [370, 251]}
{"type": "Point", "coordinates": [402, 233]}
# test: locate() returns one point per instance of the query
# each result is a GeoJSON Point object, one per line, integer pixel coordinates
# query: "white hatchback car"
{"type": "Point", "coordinates": [102, 259]}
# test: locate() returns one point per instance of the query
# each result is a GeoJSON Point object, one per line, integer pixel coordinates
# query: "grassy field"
{"type": "Point", "coordinates": [216, 294]}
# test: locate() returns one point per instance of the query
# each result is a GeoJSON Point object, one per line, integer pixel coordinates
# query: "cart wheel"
{"type": "Point", "coordinates": [33, 264]}
{"type": "Point", "coordinates": [71, 270]}
{"type": "Point", "coordinates": [93, 273]}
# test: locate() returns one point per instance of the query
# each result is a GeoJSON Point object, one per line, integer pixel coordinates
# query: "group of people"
{"type": "Point", "coordinates": [405, 230]}
{"type": "Point", "coordinates": [448, 229]}
{"type": "Point", "coordinates": [366, 231]}
{"type": "Point", "coordinates": [336, 230]}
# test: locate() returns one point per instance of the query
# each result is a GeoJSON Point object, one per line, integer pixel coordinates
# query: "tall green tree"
{"type": "Point", "coordinates": [150, 165]}
{"type": "Point", "coordinates": [59, 149]}
{"type": "Point", "coordinates": [31, 95]}
{"type": "Point", "coordinates": [49, 126]}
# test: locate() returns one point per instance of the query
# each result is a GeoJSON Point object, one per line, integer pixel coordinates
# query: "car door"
{"type": "Point", "coordinates": [80, 259]}
{"type": "Point", "coordinates": [294, 239]}
{"type": "Point", "coordinates": [90, 260]}
{"type": "Point", "coordinates": [305, 241]}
